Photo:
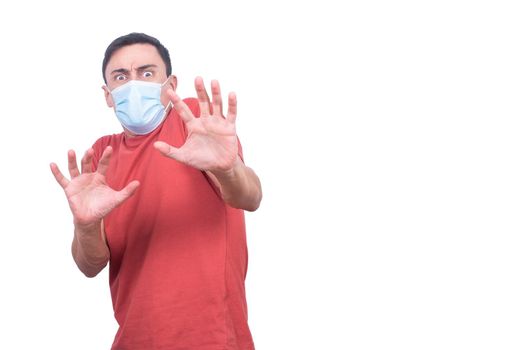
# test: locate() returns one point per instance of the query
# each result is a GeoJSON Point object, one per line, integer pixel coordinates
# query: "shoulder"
{"type": "Point", "coordinates": [100, 145]}
{"type": "Point", "coordinates": [103, 142]}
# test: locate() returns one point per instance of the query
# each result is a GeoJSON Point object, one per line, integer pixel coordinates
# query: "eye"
{"type": "Point", "coordinates": [147, 74]}
{"type": "Point", "coordinates": [120, 77]}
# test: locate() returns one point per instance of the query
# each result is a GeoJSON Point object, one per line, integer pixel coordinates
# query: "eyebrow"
{"type": "Point", "coordinates": [144, 67]}
{"type": "Point", "coordinates": [120, 70]}
{"type": "Point", "coordinates": [126, 71]}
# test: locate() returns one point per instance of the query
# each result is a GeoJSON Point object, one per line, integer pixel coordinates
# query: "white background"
{"type": "Point", "coordinates": [388, 136]}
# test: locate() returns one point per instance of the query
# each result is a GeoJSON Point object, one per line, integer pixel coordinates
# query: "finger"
{"type": "Point", "coordinates": [232, 108]}
{"type": "Point", "coordinates": [71, 163]}
{"type": "Point", "coordinates": [127, 191]}
{"type": "Point", "coordinates": [103, 164]}
{"type": "Point", "coordinates": [203, 98]}
{"type": "Point", "coordinates": [180, 107]}
{"type": "Point", "coordinates": [217, 98]}
{"type": "Point", "coordinates": [59, 177]}
{"type": "Point", "coordinates": [170, 151]}
{"type": "Point", "coordinates": [87, 161]}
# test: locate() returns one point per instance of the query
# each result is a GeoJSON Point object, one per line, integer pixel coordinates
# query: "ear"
{"type": "Point", "coordinates": [108, 96]}
{"type": "Point", "coordinates": [173, 82]}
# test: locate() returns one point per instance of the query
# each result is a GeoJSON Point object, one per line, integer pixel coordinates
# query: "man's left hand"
{"type": "Point", "coordinates": [211, 144]}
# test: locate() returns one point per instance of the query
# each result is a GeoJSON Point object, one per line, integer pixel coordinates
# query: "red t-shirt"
{"type": "Point", "coordinates": [178, 252]}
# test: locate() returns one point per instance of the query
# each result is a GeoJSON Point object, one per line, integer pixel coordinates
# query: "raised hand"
{"type": "Point", "coordinates": [89, 196]}
{"type": "Point", "coordinates": [211, 143]}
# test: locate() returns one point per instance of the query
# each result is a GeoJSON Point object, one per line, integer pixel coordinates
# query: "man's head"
{"type": "Point", "coordinates": [137, 56]}
{"type": "Point", "coordinates": [136, 38]}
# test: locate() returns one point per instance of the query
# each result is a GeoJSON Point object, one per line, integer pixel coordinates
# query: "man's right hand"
{"type": "Point", "coordinates": [90, 199]}
{"type": "Point", "coordinates": [89, 196]}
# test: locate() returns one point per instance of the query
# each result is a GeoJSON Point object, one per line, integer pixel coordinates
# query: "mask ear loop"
{"type": "Point", "coordinates": [169, 104]}
{"type": "Point", "coordinates": [168, 107]}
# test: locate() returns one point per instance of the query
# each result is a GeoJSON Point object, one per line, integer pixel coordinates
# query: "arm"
{"type": "Point", "coordinates": [89, 248]}
{"type": "Point", "coordinates": [212, 146]}
{"type": "Point", "coordinates": [240, 187]}
{"type": "Point", "coordinates": [90, 200]}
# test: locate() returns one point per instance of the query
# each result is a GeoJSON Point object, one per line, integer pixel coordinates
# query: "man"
{"type": "Point", "coordinates": [163, 203]}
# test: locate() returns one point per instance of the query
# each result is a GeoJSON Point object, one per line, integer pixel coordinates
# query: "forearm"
{"type": "Point", "coordinates": [89, 249]}
{"type": "Point", "coordinates": [240, 187]}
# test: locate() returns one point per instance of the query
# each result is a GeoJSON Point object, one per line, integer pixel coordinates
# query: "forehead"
{"type": "Point", "coordinates": [133, 56]}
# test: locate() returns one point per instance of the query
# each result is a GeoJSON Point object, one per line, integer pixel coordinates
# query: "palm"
{"type": "Point", "coordinates": [89, 196]}
{"type": "Point", "coordinates": [211, 143]}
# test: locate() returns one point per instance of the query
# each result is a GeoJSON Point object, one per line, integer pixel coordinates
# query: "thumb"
{"type": "Point", "coordinates": [127, 191]}
{"type": "Point", "coordinates": [169, 151]}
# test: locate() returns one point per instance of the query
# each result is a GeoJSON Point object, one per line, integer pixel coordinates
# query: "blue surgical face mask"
{"type": "Point", "coordinates": [138, 106]}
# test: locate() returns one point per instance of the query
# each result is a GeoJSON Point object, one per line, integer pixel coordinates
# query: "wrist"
{"type": "Point", "coordinates": [84, 228]}
{"type": "Point", "coordinates": [228, 174]}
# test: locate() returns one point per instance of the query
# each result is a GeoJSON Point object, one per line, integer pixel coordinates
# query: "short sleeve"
{"type": "Point", "coordinates": [98, 148]}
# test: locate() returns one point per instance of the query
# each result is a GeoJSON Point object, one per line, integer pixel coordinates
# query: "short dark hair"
{"type": "Point", "coordinates": [135, 38]}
